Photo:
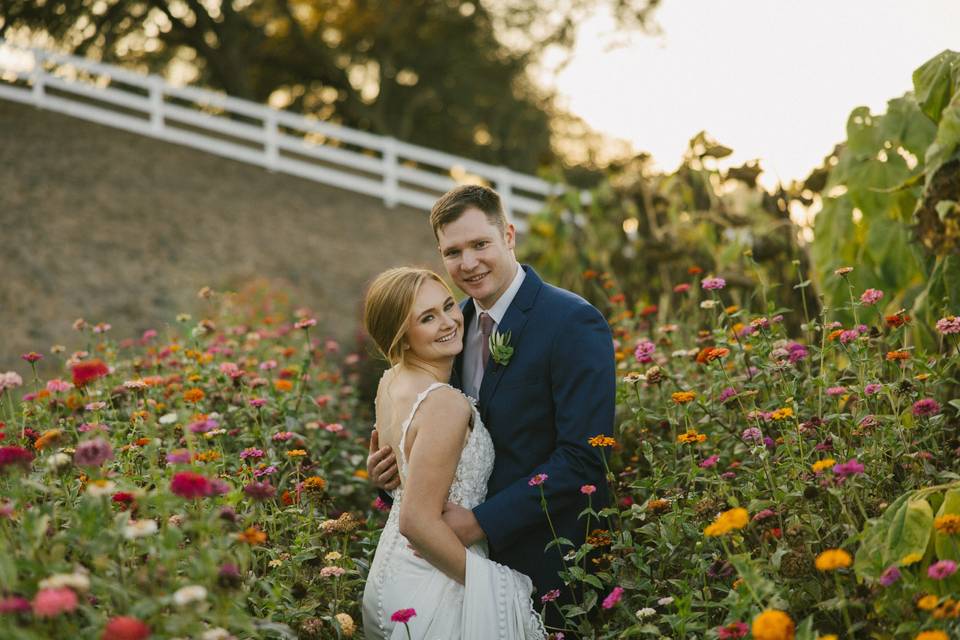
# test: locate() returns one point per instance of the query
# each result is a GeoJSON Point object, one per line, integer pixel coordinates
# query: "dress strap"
{"type": "Point", "coordinates": [405, 426]}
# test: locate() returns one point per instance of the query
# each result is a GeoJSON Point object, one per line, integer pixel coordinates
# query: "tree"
{"type": "Point", "coordinates": [446, 74]}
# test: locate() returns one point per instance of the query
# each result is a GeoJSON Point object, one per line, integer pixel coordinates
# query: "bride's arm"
{"type": "Point", "coordinates": [438, 433]}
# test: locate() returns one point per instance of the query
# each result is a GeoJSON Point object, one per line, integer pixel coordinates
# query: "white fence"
{"type": "Point", "coordinates": [383, 167]}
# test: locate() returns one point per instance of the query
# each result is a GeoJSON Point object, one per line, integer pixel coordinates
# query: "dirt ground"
{"type": "Point", "coordinates": [120, 228]}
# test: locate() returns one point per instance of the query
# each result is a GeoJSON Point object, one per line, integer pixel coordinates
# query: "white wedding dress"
{"type": "Point", "coordinates": [496, 601]}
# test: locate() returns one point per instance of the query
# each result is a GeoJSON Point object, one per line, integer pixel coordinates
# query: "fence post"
{"type": "Point", "coordinates": [505, 189]}
{"type": "Point", "coordinates": [271, 140]}
{"type": "Point", "coordinates": [37, 76]}
{"type": "Point", "coordinates": [391, 187]}
{"type": "Point", "coordinates": [156, 104]}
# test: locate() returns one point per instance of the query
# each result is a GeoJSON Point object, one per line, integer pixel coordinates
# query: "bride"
{"type": "Point", "coordinates": [444, 453]}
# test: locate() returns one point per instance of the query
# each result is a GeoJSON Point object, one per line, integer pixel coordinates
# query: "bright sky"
{"type": "Point", "coordinates": [773, 79]}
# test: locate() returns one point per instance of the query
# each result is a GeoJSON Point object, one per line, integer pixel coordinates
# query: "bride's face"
{"type": "Point", "coordinates": [435, 326]}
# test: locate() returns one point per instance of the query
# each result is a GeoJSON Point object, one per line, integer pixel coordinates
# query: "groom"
{"type": "Point", "coordinates": [541, 406]}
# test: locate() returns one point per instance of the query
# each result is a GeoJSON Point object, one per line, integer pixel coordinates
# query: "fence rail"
{"type": "Point", "coordinates": [394, 171]}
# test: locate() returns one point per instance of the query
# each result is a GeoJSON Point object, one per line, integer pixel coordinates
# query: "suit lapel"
{"type": "Point", "coordinates": [456, 376]}
{"type": "Point", "coordinates": [513, 321]}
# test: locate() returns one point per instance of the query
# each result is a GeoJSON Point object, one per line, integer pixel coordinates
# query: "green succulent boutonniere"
{"type": "Point", "coordinates": [500, 349]}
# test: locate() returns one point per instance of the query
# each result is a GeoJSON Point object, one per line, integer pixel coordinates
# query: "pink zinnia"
{"type": "Point", "coordinates": [32, 357]}
{"type": "Point", "coordinates": [187, 484]}
{"type": "Point", "coordinates": [948, 325]}
{"type": "Point", "coordinates": [644, 351]}
{"type": "Point", "coordinates": [871, 296]}
{"type": "Point", "coordinates": [942, 569]}
{"type": "Point", "coordinates": [179, 456]}
{"type": "Point", "coordinates": [550, 596]}
{"type": "Point", "coordinates": [926, 407]}
{"type": "Point", "coordinates": [681, 288]}
{"type": "Point", "coordinates": [849, 468]}
{"type": "Point", "coordinates": [712, 284]}
{"type": "Point", "coordinates": [587, 489]}
{"type": "Point", "coordinates": [538, 479]}
{"type": "Point", "coordinates": [872, 388]}
{"type": "Point", "coordinates": [836, 391]}
{"type": "Point", "coordinates": [251, 452]}
{"type": "Point", "coordinates": [257, 402]}
{"type": "Point", "coordinates": [611, 600]}
{"type": "Point", "coordinates": [306, 324]}
{"type": "Point", "coordinates": [93, 453]}
{"type": "Point", "coordinates": [57, 385]}
{"type": "Point", "coordinates": [849, 336]}
{"type": "Point", "coordinates": [889, 576]}
{"type": "Point", "coordinates": [709, 462]}
{"type": "Point", "coordinates": [52, 602]}
{"type": "Point", "coordinates": [260, 490]}
{"type": "Point", "coordinates": [403, 615]}
{"type": "Point", "coordinates": [381, 505]}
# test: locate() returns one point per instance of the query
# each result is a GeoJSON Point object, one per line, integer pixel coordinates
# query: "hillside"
{"type": "Point", "coordinates": [114, 227]}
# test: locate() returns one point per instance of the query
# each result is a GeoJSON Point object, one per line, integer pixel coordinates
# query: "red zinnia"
{"type": "Point", "coordinates": [187, 484]}
{"type": "Point", "coordinates": [14, 456]}
{"type": "Point", "coordinates": [88, 371]}
{"type": "Point", "coordinates": [125, 628]}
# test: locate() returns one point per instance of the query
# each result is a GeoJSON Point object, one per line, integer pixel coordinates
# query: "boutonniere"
{"type": "Point", "coordinates": [500, 349]}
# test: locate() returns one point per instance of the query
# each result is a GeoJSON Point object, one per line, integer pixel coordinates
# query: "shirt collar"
{"type": "Point", "coordinates": [500, 307]}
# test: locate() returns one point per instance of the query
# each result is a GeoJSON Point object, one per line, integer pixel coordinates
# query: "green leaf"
{"type": "Point", "coordinates": [869, 561]}
{"type": "Point", "coordinates": [934, 81]}
{"type": "Point", "coordinates": [948, 546]}
{"type": "Point", "coordinates": [909, 532]}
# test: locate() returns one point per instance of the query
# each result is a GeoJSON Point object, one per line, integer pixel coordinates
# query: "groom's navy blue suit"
{"type": "Point", "coordinates": [556, 392]}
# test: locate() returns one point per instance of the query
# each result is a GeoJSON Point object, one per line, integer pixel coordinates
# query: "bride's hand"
{"type": "Point", "coordinates": [382, 465]}
{"type": "Point", "coordinates": [463, 523]}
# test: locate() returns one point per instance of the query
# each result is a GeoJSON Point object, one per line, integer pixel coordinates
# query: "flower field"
{"type": "Point", "coordinates": [207, 481]}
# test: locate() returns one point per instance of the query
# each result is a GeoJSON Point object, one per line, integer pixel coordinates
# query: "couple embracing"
{"type": "Point", "coordinates": [486, 404]}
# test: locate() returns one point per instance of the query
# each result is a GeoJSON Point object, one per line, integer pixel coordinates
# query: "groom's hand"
{"type": "Point", "coordinates": [463, 523]}
{"type": "Point", "coordinates": [382, 465]}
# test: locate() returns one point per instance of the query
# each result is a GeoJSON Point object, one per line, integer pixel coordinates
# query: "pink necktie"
{"type": "Point", "coordinates": [486, 328]}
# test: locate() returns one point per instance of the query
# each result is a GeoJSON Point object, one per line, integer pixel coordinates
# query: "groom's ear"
{"type": "Point", "coordinates": [510, 236]}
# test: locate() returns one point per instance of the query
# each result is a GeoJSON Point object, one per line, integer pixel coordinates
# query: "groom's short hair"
{"type": "Point", "coordinates": [453, 203]}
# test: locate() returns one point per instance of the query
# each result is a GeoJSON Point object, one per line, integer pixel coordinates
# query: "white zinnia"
{"type": "Point", "coordinates": [100, 488]}
{"type": "Point", "coordinates": [646, 612]}
{"type": "Point", "coordinates": [76, 581]}
{"type": "Point", "coordinates": [168, 418]}
{"type": "Point", "coordinates": [217, 633]}
{"type": "Point", "coordinates": [190, 594]}
{"type": "Point", "coordinates": [708, 304]}
{"type": "Point", "coordinates": [58, 460]}
{"type": "Point", "coordinates": [139, 529]}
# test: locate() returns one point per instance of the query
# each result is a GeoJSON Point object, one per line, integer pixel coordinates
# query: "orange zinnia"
{"type": "Point", "coordinates": [252, 536]}
{"type": "Point", "coordinates": [282, 385]}
{"type": "Point", "coordinates": [194, 395]}
{"type": "Point", "coordinates": [898, 355]}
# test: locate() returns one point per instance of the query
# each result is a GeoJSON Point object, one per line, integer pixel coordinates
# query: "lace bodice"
{"type": "Point", "coordinates": [469, 487]}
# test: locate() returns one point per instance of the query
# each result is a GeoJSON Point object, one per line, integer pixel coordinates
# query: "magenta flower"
{"type": "Point", "coordinates": [644, 351]}
{"type": "Point", "coordinates": [613, 598]}
{"type": "Point", "coordinates": [942, 570]}
{"type": "Point", "coordinates": [179, 456]}
{"type": "Point", "coordinates": [381, 505]}
{"type": "Point", "coordinates": [926, 407]}
{"type": "Point", "coordinates": [727, 393]}
{"type": "Point", "coordinates": [733, 631]}
{"type": "Point", "coordinates": [849, 336]}
{"type": "Point", "coordinates": [14, 604]}
{"type": "Point", "coordinates": [203, 426]}
{"type": "Point", "coordinates": [260, 490]}
{"type": "Point", "coordinates": [948, 325]}
{"type": "Point", "coordinates": [282, 436]}
{"type": "Point", "coordinates": [797, 352]}
{"type": "Point", "coordinates": [709, 462]}
{"type": "Point", "coordinates": [403, 615]}
{"type": "Point", "coordinates": [752, 434]}
{"type": "Point", "coordinates": [836, 391]}
{"type": "Point", "coordinates": [889, 576]}
{"type": "Point", "coordinates": [251, 452]}
{"type": "Point", "coordinates": [191, 486]}
{"type": "Point", "coordinates": [713, 284]}
{"type": "Point", "coordinates": [872, 388]}
{"type": "Point", "coordinates": [871, 296]}
{"type": "Point", "coordinates": [10, 456]}
{"type": "Point", "coordinates": [257, 402]}
{"type": "Point", "coordinates": [849, 468]}
{"type": "Point", "coordinates": [31, 357]}
{"type": "Point", "coordinates": [266, 471]}
{"type": "Point", "coordinates": [538, 479]}
{"type": "Point", "coordinates": [763, 514]}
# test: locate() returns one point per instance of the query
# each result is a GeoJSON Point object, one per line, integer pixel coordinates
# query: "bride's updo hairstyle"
{"type": "Point", "coordinates": [387, 307]}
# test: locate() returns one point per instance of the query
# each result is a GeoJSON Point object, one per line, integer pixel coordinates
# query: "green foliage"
{"type": "Point", "coordinates": [897, 176]}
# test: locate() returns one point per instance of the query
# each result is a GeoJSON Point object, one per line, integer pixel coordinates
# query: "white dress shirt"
{"type": "Point", "coordinates": [473, 346]}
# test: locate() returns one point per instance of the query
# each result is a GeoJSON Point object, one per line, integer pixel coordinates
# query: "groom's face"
{"type": "Point", "coordinates": [478, 255]}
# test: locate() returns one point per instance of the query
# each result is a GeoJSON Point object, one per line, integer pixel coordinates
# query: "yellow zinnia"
{"type": "Point", "coordinates": [773, 624]}
{"type": "Point", "coordinates": [727, 521]}
{"type": "Point", "coordinates": [683, 397]}
{"type": "Point", "coordinates": [932, 635]}
{"type": "Point", "coordinates": [928, 602]}
{"type": "Point", "coordinates": [833, 559]}
{"type": "Point", "coordinates": [948, 524]}
{"type": "Point", "coordinates": [820, 465]}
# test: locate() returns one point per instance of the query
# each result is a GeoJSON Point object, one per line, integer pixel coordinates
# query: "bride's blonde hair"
{"type": "Point", "coordinates": [387, 307]}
